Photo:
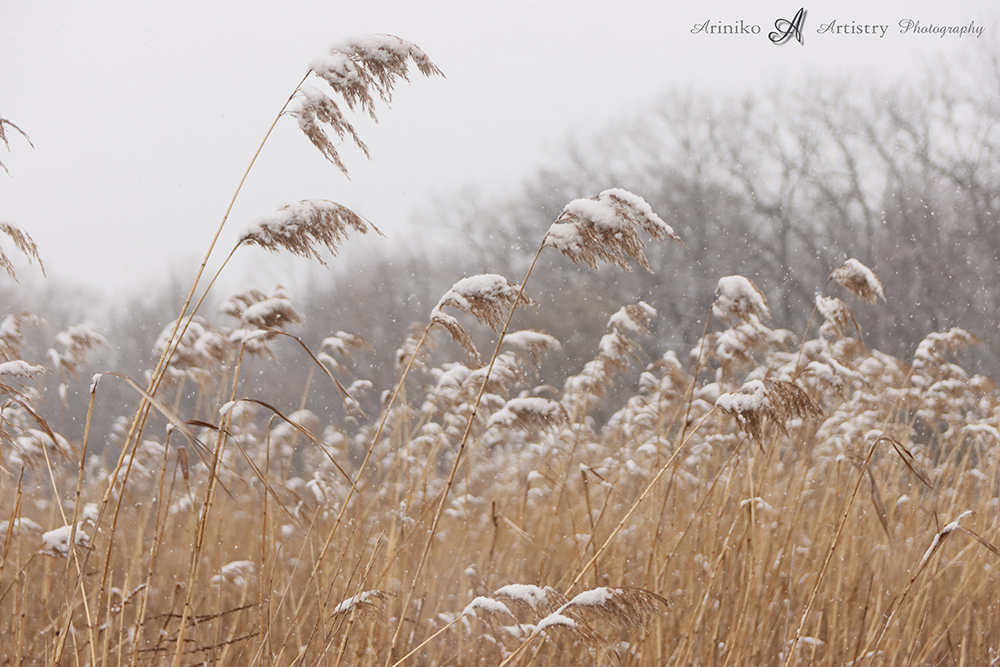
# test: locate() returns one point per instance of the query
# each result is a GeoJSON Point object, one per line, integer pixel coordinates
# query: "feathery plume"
{"type": "Point", "coordinates": [737, 299]}
{"type": "Point", "coordinates": [76, 342]}
{"type": "Point", "coordinates": [311, 109]}
{"type": "Point", "coordinates": [56, 542]}
{"type": "Point", "coordinates": [305, 227]}
{"type": "Point", "coordinates": [239, 573]}
{"type": "Point", "coordinates": [530, 413]}
{"type": "Point", "coordinates": [22, 241]}
{"type": "Point", "coordinates": [838, 318]}
{"type": "Point", "coordinates": [4, 123]}
{"type": "Point", "coordinates": [633, 318]}
{"type": "Point", "coordinates": [859, 280]}
{"type": "Point", "coordinates": [489, 297]}
{"type": "Point", "coordinates": [365, 602]}
{"type": "Point", "coordinates": [357, 67]}
{"type": "Point", "coordinates": [530, 598]}
{"type": "Point", "coordinates": [258, 311]}
{"type": "Point", "coordinates": [531, 344]}
{"type": "Point", "coordinates": [604, 228]}
{"type": "Point", "coordinates": [11, 336]}
{"type": "Point", "coordinates": [758, 401]}
{"type": "Point", "coordinates": [359, 70]}
{"type": "Point", "coordinates": [626, 608]}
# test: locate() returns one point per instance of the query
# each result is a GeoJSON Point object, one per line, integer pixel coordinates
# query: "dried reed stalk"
{"type": "Point", "coordinates": [587, 230]}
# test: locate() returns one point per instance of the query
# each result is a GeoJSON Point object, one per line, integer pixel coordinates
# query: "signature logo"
{"type": "Point", "coordinates": [785, 29]}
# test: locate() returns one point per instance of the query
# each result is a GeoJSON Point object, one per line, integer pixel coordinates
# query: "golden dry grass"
{"type": "Point", "coordinates": [479, 519]}
{"type": "Point", "coordinates": [701, 550]}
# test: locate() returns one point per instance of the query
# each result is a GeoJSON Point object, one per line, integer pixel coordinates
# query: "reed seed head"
{"type": "Point", "coordinates": [760, 401]}
{"type": "Point", "coordinates": [737, 299]}
{"type": "Point", "coordinates": [489, 297]}
{"type": "Point", "coordinates": [838, 317]}
{"type": "Point", "coordinates": [859, 280]}
{"type": "Point", "coordinates": [22, 241]}
{"type": "Point", "coordinates": [604, 228]}
{"type": "Point", "coordinates": [306, 227]}
{"type": "Point", "coordinates": [360, 70]}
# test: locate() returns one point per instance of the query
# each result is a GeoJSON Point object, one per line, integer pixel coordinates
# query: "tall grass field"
{"type": "Point", "coordinates": [765, 497]}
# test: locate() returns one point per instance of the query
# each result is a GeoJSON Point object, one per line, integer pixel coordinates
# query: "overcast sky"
{"type": "Point", "coordinates": [144, 116]}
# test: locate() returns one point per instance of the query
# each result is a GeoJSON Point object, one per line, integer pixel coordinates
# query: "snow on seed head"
{"type": "Point", "coordinates": [305, 228]}
{"type": "Point", "coordinates": [759, 401]}
{"type": "Point", "coordinates": [605, 228]}
{"type": "Point", "coordinates": [489, 297]}
{"type": "Point", "coordinates": [859, 280]}
{"type": "Point", "coordinates": [737, 299]}
{"type": "Point", "coordinates": [360, 71]}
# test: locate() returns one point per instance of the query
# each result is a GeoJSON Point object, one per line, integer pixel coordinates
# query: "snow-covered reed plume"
{"type": "Point", "coordinates": [239, 573]}
{"type": "Point", "coordinates": [75, 343]}
{"type": "Point", "coordinates": [537, 609]}
{"type": "Point", "coordinates": [12, 335]}
{"type": "Point", "coordinates": [22, 241]}
{"type": "Point", "coordinates": [531, 345]}
{"type": "Point", "coordinates": [530, 413]}
{"type": "Point", "coordinates": [584, 391]}
{"type": "Point", "coordinates": [260, 316]}
{"type": "Point", "coordinates": [16, 373]}
{"type": "Point", "coordinates": [760, 401]}
{"type": "Point", "coordinates": [305, 228]}
{"type": "Point", "coordinates": [737, 299]}
{"type": "Point", "coordinates": [200, 351]}
{"type": "Point", "coordinates": [365, 602]}
{"type": "Point", "coordinates": [489, 297]}
{"type": "Point", "coordinates": [360, 70]}
{"type": "Point", "coordinates": [859, 280]}
{"type": "Point", "coordinates": [837, 317]}
{"type": "Point", "coordinates": [357, 67]}
{"type": "Point", "coordinates": [605, 228]}
{"type": "Point", "coordinates": [339, 346]}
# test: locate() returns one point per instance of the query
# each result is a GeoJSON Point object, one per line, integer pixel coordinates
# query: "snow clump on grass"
{"type": "Point", "coordinates": [56, 542]}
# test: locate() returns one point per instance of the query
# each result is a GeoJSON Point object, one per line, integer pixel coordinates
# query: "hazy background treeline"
{"type": "Point", "coordinates": [780, 186]}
